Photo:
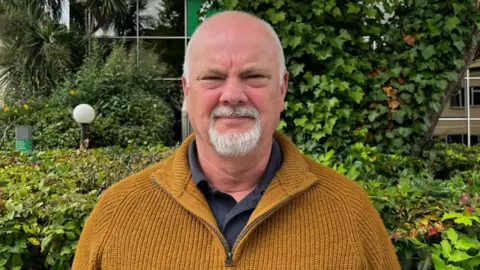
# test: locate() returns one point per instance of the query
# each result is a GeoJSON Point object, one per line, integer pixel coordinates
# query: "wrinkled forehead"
{"type": "Point", "coordinates": [234, 50]}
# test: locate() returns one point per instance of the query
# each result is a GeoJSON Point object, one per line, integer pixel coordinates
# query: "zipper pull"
{"type": "Point", "coordinates": [229, 260]}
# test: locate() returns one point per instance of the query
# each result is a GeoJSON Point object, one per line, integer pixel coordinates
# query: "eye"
{"type": "Point", "coordinates": [255, 76]}
{"type": "Point", "coordinates": [212, 78]}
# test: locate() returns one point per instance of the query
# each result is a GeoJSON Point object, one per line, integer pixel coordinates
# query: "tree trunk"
{"type": "Point", "coordinates": [453, 87]}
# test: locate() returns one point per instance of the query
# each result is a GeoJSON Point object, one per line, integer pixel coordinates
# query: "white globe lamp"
{"type": "Point", "coordinates": [84, 114]}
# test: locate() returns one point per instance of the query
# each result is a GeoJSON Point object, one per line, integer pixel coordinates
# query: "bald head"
{"type": "Point", "coordinates": [231, 25]}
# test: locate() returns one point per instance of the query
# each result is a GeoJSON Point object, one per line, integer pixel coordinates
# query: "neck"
{"type": "Point", "coordinates": [236, 176]}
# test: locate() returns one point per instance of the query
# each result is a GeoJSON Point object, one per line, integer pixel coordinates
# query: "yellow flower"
{"type": "Point", "coordinates": [6, 109]}
{"type": "Point", "coordinates": [72, 92]}
{"type": "Point", "coordinates": [25, 106]}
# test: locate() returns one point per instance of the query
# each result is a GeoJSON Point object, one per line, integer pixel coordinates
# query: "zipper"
{"type": "Point", "coordinates": [229, 253]}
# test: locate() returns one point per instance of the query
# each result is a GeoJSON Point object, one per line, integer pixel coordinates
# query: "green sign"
{"type": "Point", "coordinates": [23, 145]}
{"type": "Point", "coordinates": [193, 6]}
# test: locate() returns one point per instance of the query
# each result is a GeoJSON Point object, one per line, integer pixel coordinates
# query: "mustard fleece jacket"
{"type": "Point", "coordinates": [310, 217]}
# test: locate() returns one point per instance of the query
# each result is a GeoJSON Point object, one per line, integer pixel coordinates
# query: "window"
{"type": "Point", "coordinates": [162, 18]}
{"type": "Point", "coordinates": [463, 139]}
{"type": "Point", "coordinates": [458, 100]}
{"type": "Point", "coordinates": [475, 97]}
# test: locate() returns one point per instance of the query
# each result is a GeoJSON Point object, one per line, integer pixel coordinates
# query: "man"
{"type": "Point", "coordinates": [237, 193]}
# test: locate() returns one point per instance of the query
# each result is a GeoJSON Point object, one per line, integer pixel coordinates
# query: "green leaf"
{"type": "Point", "coordinates": [282, 124]}
{"type": "Point", "coordinates": [230, 4]}
{"type": "Point", "coordinates": [405, 132]}
{"type": "Point", "coordinates": [460, 44]}
{"type": "Point", "coordinates": [300, 122]}
{"type": "Point", "coordinates": [70, 225]}
{"type": "Point", "coordinates": [465, 243]}
{"type": "Point", "coordinates": [320, 38]}
{"type": "Point", "coordinates": [452, 235]}
{"type": "Point", "coordinates": [458, 256]}
{"type": "Point", "coordinates": [434, 106]}
{"type": "Point", "coordinates": [278, 3]}
{"type": "Point", "coordinates": [45, 242]}
{"type": "Point", "coordinates": [452, 23]}
{"type": "Point", "coordinates": [275, 16]}
{"type": "Point", "coordinates": [295, 41]}
{"type": "Point", "coordinates": [396, 71]}
{"type": "Point", "coordinates": [318, 135]}
{"type": "Point", "coordinates": [358, 77]}
{"type": "Point", "coordinates": [465, 220]}
{"type": "Point", "coordinates": [34, 241]}
{"type": "Point", "coordinates": [296, 68]}
{"type": "Point", "coordinates": [71, 235]}
{"type": "Point", "coordinates": [453, 267]}
{"type": "Point", "coordinates": [324, 54]}
{"type": "Point", "coordinates": [356, 94]}
{"type": "Point", "coordinates": [428, 52]}
{"type": "Point", "coordinates": [50, 260]}
{"type": "Point", "coordinates": [437, 262]}
{"type": "Point", "coordinates": [373, 115]}
{"type": "Point", "coordinates": [345, 35]}
{"type": "Point", "coordinates": [399, 116]}
{"type": "Point", "coordinates": [65, 250]}
{"type": "Point", "coordinates": [336, 12]}
{"type": "Point", "coordinates": [451, 76]}
{"type": "Point", "coordinates": [446, 248]}
{"type": "Point", "coordinates": [312, 80]}
{"type": "Point", "coordinates": [459, 63]}
{"type": "Point", "coordinates": [353, 8]}
{"type": "Point", "coordinates": [3, 262]}
{"type": "Point", "coordinates": [473, 262]}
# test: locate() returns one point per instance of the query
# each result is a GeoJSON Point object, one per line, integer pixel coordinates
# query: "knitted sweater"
{"type": "Point", "coordinates": [310, 217]}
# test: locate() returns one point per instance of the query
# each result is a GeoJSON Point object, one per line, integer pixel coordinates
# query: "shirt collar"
{"type": "Point", "coordinates": [274, 163]}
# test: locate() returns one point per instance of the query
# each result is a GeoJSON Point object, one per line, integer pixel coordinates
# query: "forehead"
{"type": "Point", "coordinates": [233, 50]}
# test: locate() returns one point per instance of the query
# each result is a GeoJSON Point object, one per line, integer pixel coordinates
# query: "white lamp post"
{"type": "Point", "coordinates": [84, 115]}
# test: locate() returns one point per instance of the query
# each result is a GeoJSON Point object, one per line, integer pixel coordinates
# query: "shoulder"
{"type": "Point", "coordinates": [126, 190]}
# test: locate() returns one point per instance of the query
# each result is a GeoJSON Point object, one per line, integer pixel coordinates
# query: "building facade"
{"type": "Point", "coordinates": [460, 120]}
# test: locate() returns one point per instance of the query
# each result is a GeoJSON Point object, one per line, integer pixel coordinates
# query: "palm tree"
{"type": "Point", "coordinates": [35, 49]}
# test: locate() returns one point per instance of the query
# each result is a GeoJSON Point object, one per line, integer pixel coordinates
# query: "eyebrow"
{"type": "Point", "coordinates": [220, 72]}
{"type": "Point", "coordinates": [213, 71]}
{"type": "Point", "coordinates": [251, 70]}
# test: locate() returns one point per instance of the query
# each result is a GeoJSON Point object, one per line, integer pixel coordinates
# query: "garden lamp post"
{"type": "Point", "coordinates": [84, 115]}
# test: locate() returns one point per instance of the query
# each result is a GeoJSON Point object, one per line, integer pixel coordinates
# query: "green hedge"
{"type": "Point", "coordinates": [45, 198]}
{"type": "Point", "coordinates": [430, 205]}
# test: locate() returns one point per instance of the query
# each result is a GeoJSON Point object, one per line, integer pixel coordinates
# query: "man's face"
{"type": "Point", "coordinates": [236, 92]}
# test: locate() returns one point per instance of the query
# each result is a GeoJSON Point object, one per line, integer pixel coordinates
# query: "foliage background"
{"type": "Point", "coordinates": [375, 72]}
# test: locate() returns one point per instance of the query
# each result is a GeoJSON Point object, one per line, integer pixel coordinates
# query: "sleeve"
{"type": "Point", "coordinates": [376, 246]}
{"type": "Point", "coordinates": [93, 237]}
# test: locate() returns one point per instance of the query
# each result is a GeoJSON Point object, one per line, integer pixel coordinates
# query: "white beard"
{"type": "Point", "coordinates": [235, 144]}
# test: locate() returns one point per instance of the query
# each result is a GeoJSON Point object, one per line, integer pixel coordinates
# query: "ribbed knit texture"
{"type": "Point", "coordinates": [310, 217]}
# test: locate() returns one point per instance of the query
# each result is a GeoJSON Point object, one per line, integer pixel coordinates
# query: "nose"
{"type": "Point", "coordinates": [233, 93]}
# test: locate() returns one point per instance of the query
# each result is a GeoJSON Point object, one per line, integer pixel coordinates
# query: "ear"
{"type": "Point", "coordinates": [185, 87]}
{"type": "Point", "coordinates": [284, 88]}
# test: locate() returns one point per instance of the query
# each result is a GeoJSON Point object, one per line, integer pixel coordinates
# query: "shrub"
{"type": "Point", "coordinates": [45, 198]}
{"type": "Point", "coordinates": [129, 106]}
{"type": "Point", "coordinates": [422, 201]}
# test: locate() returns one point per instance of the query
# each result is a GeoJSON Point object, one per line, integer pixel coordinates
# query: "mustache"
{"type": "Point", "coordinates": [238, 111]}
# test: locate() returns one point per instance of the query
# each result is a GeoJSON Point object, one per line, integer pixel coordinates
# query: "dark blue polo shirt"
{"type": "Point", "coordinates": [232, 216]}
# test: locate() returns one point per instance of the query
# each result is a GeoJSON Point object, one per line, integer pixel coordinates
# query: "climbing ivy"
{"type": "Point", "coordinates": [371, 71]}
